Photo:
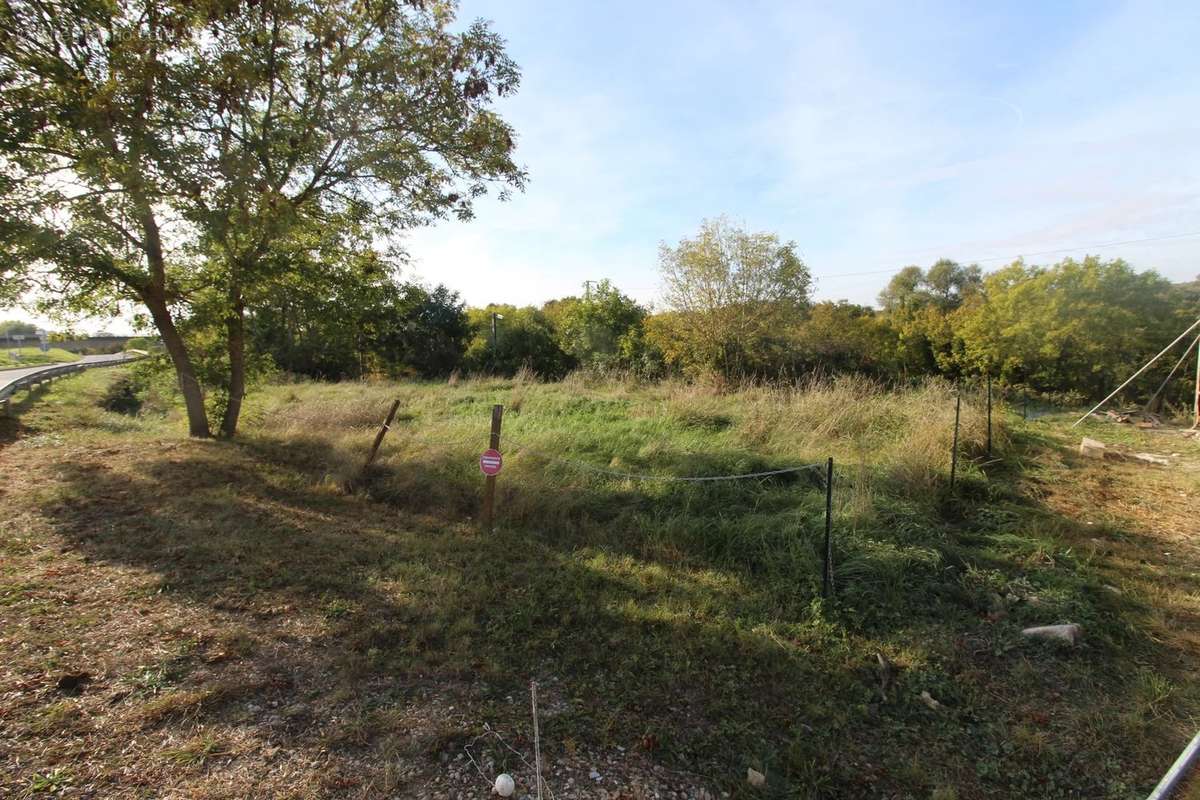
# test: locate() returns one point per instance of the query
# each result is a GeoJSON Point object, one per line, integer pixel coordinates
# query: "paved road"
{"type": "Point", "coordinates": [12, 375]}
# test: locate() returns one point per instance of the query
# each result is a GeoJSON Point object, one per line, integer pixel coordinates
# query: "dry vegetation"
{"type": "Point", "coordinates": [212, 619]}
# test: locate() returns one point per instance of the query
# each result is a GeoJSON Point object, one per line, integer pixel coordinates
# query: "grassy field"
{"type": "Point", "coordinates": [225, 619]}
{"type": "Point", "coordinates": [33, 356]}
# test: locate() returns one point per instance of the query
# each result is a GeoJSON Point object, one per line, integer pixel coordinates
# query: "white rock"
{"type": "Point", "coordinates": [755, 778]}
{"type": "Point", "coordinates": [1091, 448]}
{"type": "Point", "coordinates": [1068, 633]}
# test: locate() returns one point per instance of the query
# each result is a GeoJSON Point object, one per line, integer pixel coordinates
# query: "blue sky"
{"type": "Point", "coordinates": [874, 136]}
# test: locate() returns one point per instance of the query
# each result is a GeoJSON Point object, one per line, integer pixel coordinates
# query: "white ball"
{"type": "Point", "coordinates": [504, 785]}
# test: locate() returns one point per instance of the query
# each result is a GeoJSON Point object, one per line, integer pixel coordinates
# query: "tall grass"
{"type": "Point", "coordinates": [905, 435]}
{"type": "Point", "coordinates": [891, 448]}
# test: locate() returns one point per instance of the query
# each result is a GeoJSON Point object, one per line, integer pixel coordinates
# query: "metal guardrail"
{"type": "Point", "coordinates": [49, 373]}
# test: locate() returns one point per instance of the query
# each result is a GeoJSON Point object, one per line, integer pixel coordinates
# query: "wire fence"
{"type": "Point", "coordinates": [491, 462]}
{"type": "Point", "coordinates": [636, 476]}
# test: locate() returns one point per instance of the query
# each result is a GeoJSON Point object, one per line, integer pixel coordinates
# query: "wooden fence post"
{"type": "Point", "coordinates": [387, 426]}
{"type": "Point", "coordinates": [954, 447]}
{"type": "Point", "coordinates": [827, 561]}
{"type": "Point", "coordinates": [489, 484]}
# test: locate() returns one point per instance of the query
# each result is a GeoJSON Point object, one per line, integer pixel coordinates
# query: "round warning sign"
{"type": "Point", "coordinates": [490, 462]}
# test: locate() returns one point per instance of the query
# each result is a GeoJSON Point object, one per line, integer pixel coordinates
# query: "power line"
{"type": "Point", "coordinates": [893, 270]}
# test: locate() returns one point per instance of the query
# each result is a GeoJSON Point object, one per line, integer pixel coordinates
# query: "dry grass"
{"type": "Point", "coordinates": [247, 628]}
{"type": "Point", "coordinates": [854, 419]}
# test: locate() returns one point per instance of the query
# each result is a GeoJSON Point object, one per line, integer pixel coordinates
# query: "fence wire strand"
{"type": "Point", "coordinates": [613, 473]}
{"type": "Point", "coordinates": [636, 476]}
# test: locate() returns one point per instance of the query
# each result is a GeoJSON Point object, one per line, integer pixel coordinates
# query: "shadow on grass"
{"type": "Point", "coordinates": [11, 427]}
{"type": "Point", "coordinates": [685, 619]}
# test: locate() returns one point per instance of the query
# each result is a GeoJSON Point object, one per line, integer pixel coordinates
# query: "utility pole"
{"type": "Point", "coordinates": [587, 289]}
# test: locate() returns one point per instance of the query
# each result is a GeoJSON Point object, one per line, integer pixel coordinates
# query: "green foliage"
{"type": "Point", "coordinates": [142, 343]}
{"type": "Point", "coordinates": [430, 331]}
{"type": "Point", "coordinates": [122, 396]}
{"type": "Point", "coordinates": [844, 337]}
{"type": "Point", "coordinates": [946, 286]}
{"type": "Point", "coordinates": [246, 132]}
{"type": "Point", "coordinates": [602, 330]}
{"type": "Point", "coordinates": [735, 297]}
{"type": "Point", "coordinates": [1082, 325]}
{"type": "Point", "coordinates": [31, 356]}
{"type": "Point", "coordinates": [918, 304]}
{"type": "Point", "coordinates": [12, 327]}
{"type": "Point", "coordinates": [522, 338]}
{"type": "Point", "coordinates": [49, 783]}
{"type": "Point", "coordinates": [341, 313]}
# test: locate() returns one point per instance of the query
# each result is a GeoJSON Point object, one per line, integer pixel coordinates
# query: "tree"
{"type": "Point", "coordinates": [949, 284]}
{"type": "Point", "coordinates": [241, 127]}
{"type": "Point", "coordinates": [86, 143]}
{"type": "Point", "coordinates": [375, 114]}
{"type": "Point", "coordinates": [14, 327]}
{"type": "Point", "coordinates": [1078, 326]}
{"type": "Point", "coordinates": [918, 305]}
{"type": "Point", "coordinates": [903, 290]}
{"type": "Point", "coordinates": [339, 310]}
{"type": "Point", "coordinates": [844, 337]}
{"type": "Point", "coordinates": [737, 296]}
{"type": "Point", "coordinates": [603, 329]}
{"type": "Point", "coordinates": [525, 338]}
{"type": "Point", "coordinates": [433, 332]}
{"type": "Point", "coordinates": [945, 286]}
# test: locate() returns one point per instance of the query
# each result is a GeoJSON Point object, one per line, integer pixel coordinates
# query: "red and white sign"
{"type": "Point", "coordinates": [490, 462]}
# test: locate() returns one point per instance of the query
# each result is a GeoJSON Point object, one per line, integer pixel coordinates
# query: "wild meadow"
{"type": "Point", "coordinates": [217, 618]}
{"type": "Point", "coordinates": [695, 611]}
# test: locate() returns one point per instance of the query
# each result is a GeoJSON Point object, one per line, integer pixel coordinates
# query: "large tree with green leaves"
{"type": "Point", "coordinates": [601, 329]}
{"type": "Point", "coordinates": [1076, 326]}
{"type": "Point", "coordinates": [919, 305]}
{"type": "Point", "coordinates": [349, 314]}
{"type": "Point", "coordinates": [506, 339]}
{"type": "Point", "coordinates": [163, 152]}
{"type": "Point", "coordinates": [738, 295]}
{"type": "Point", "coordinates": [944, 286]}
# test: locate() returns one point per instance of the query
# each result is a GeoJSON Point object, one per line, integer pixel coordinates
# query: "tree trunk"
{"type": "Point", "coordinates": [154, 295]}
{"type": "Point", "coordinates": [235, 325]}
{"type": "Point", "coordinates": [193, 398]}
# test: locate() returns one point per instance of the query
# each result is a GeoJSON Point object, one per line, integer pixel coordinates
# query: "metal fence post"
{"type": "Point", "coordinates": [827, 565]}
{"type": "Point", "coordinates": [954, 447]}
{"type": "Point", "coordinates": [989, 415]}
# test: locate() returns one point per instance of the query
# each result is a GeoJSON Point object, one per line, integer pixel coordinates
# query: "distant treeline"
{"type": "Point", "coordinates": [741, 309]}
